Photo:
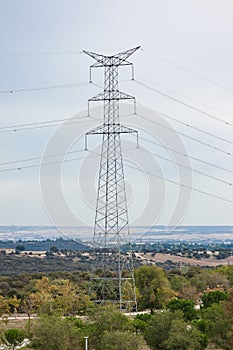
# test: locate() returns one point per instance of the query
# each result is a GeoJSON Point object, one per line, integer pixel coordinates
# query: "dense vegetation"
{"type": "Point", "coordinates": [14, 264]}
{"type": "Point", "coordinates": [173, 322]}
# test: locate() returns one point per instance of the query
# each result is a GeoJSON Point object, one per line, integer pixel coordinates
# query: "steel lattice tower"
{"type": "Point", "coordinates": [111, 231]}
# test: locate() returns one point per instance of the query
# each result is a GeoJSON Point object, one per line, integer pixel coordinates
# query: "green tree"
{"type": "Point", "coordinates": [119, 340]}
{"type": "Point", "coordinates": [218, 325]}
{"type": "Point", "coordinates": [153, 287]}
{"type": "Point", "coordinates": [156, 333]}
{"type": "Point", "coordinates": [169, 331]}
{"type": "Point", "coordinates": [186, 306]}
{"type": "Point", "coordinates": [55, 333]}
{"type": "Point", "coordinates": [227, 272]}
{"type": "Point", "coordinates": [212, 297]}
{"type": "Point", "coordinates": [228, 308]}
{"type": "Point", "coordinates": [210, 279]}
{"type": "Point", "coordinates": [13, 337]}
{"type": "Point", "coordinates": [107, 320]}
{"type": "Point", "coordinates": [183, 336]}
{"type": "Point", "coordinates": [177, 282]}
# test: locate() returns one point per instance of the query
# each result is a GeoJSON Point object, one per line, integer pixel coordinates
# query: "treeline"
{"type": "Point", "coordinates": [155, 286]}
{"type": "Point", "coordinates": [173, 298]}
{"type": "Point", "coordinates": [13, 264]}
{"type": "Point", "coordinates": [54, 260]}
{"type": "Point", "coordinates": [39, 245]}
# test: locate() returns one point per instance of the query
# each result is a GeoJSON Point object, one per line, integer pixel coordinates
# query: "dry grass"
{"type": "Point", "coordinates": [212, 262]}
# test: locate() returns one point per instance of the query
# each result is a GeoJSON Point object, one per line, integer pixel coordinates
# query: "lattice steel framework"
{"type": "Point", "coordinates": [113, 256]}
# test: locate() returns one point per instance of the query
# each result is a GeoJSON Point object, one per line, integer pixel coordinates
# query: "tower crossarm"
{"type": "Point", "coordinates": [115, 95]}
{"type": "Point", "coordinates": [110, 129]}
{"type": "Point", "coordinates": [115, 60]}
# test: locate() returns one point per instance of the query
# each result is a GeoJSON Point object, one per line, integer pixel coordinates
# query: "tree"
{"type": "Point", "coordinates": [183, 336]}
{"type": "Point", "coordinates": [108, 318]}
{"type": "Point", "coordinates": [177, 282]}
{"type": "Point", "coordinates": [212, 297]}
{"type": "Point", "coordinates": [186, 306]}
{"type": "Point", "coordinates": [210, 279]}
{"type": "Point", "coordinates": [13, 337]}
{"type": "Point", "coordinates": [20, 248]}
{"type": "Point", "coordinates": [119, 340]}
{"type": "Point", "coordinates": [8, 305]}
{"type": "Point", "coordinates": [55, 333]}
{"type": "Point", "coordinates": [106, 321]}
{"type": "Point", "coordinates": [68, 298]}
{"type": "Point", "coordinates": [4, 306]}
{"type": "Point", "coordinates": [60, 295]}
{"type": "Point", "coordinates": [169, 331]}
{"type": "Point", "coordinates": [228, 307]}
{"type": "Point", "coordinates": [153, 287]}
{"type": "Point", "coordinates": [54, 249]}
{"type": "Point", "coordinates": [218, 325]}
{"type": "Point", "coordinates": [157, 331]}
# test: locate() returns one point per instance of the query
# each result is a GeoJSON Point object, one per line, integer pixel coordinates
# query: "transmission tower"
{"type": "Point", "coordinates": [113, 257]}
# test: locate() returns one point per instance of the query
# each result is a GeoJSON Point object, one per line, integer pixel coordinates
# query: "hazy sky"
{"type": "Point", "coordinates": [41, 43]}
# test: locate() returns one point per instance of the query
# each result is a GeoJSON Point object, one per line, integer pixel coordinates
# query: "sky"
{"type": "Point", "coordinates": [186, 53]}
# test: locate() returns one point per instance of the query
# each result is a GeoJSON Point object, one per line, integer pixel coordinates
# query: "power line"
{"type": "Point", "coordinates": [181, 153]}
{"type": "Point", "coordinates": [51, 125]}
{"type": "Point", "coordinates": [95, 153]}
{"type": "Point", "coordinates": [40, 158]}
{"type": "Point", "coordinates": [39, 53]}
{"type": "Point", "coordinates": [44, 124]}
{"type": "Point", "coordinates": [188, 71]}
{"type": "Point", "coordinates": [145, 139]}
{"type": "Point", "coordinates": [39, 88]}
{"type": "Point", "coordinates": [191, 126]}
{"type": "Point", "coordinates": [188, 168]}
{"type": "Point", "coordinates": [184, 103]}
{"type": "Point", "coordinates": [82, 150]}
{"type": "Point", "coordinates": [41, 164]}
{"type": "Point", "coordinates": [181, 185]}
{"type": "Point", "coordinates": [187, 155]}
{"type": "Point", "coordinates": [187, 136]}
{"type": "Point", "coordinates": [188, 97]}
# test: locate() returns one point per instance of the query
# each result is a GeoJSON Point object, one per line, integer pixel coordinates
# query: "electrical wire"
{"type": "Point", "coordinates": [187, 155]}
{"type": "Point", "coordinates": [42, 124]}
{"type": "Point", "coordinates": [145, 139]}
{"type": "Point", "coordinates": [52, 125]}
{"type": "Point", "coordinates": [149, 173]}
{"type": "Point", "coordinates": [41, 164]}
{"type": "Point", "coordinates": [183, 103]}
{"type": "Point", "coordinates": [182, 185]}
{"type": "Point", "coordinates": [190, 126]}
{"type": "Point", "coordinates": [188, 70]}
{"type": "Point", "coordinates": [63, 86]}
{"type": "Point", "coordinates": [76, 151]}
{"type": "Point", "coordinates": [40, 158]}
{"type": "Point", "coordinates": [187, 97]}
{"type": "Point", "coordinates": [40, 53]}
{"type": "Point", "coordinates": [187, 136]}
{"type": "Point", "coordinates": [188, 168]}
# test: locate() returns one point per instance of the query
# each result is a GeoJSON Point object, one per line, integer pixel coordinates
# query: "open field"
{"type": "Point", "coordinates": [162, 258]}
